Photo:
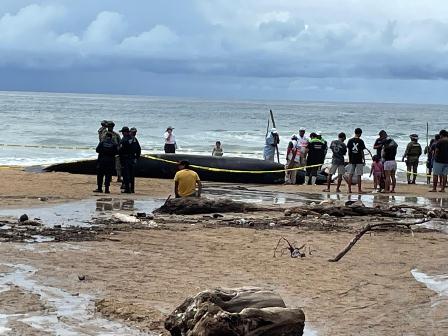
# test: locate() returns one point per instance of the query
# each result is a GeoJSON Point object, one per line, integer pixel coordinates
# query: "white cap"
{"type": "Point", "coordinates": [319, 132]}
{"type": "Point", "coordinates": [302, 129]}
{"type": "Point", "coordinates": [273, 130]}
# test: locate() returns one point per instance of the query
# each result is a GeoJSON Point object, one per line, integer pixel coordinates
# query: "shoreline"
{"type": "Point", "coordinates": [140, 275]}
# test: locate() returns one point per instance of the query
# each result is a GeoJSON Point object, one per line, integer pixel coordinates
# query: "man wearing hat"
{"type": "Point", "coordinates": [102, 129]}
{"type": "Point", "coordinates": [303, 142]}
{"type": "Point", "coordinates": [116, 139]}
{"type": "Point", "coordinates": [412, 155]}
{"type": "Point", "coordinates": [129, 155]}
{"type": "Point", "coordinates": [170, 141]}
{"type": "Point", "coordinates": [271, 145]}
{"type": "Point", "coordinates": [107, 150]}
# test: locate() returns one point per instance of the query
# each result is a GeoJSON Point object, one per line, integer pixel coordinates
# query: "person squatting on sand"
{"type": "Point", "coordinates": [186, 181]}
{"type": "Point", "coordinates": [411, 156]}
{"type": "Point", "coordinates": [440, 168]}
{"type": "Point", "coordinates": [107, 150]}
{"type": "Point", "coordinates": [339, 149]}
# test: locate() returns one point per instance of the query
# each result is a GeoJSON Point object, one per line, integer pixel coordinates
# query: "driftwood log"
{"type": "Point", "coordinates": [202, 205]}
{"type": "Point", "coordinates": [235, 312]}
{"type": "Point", "coordinates": [371, 227]}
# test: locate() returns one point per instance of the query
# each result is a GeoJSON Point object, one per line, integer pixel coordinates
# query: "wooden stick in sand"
{"type": "Point", "coordinates": [273, 125]}
{"type": "Point", "coordinates": [368, 228]}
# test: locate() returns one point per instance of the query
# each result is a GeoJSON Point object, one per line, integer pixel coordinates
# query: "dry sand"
{"type": "Point", "coordinates": [142, 275]}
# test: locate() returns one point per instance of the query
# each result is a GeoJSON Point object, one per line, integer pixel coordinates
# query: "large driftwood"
{"type": "Point", "coordinates": [367, 228]}
{"type": "Point", "coordinates": [235, 312]}
{"type": "Point", "coordinates": [202, 205]}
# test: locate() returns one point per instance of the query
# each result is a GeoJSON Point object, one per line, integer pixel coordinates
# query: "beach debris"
{"type": "Point", "coordinates": [23, 218]}
{"type": "Point", "coordinates": [43, 199]}
{"type": "Point", "coordinates": [81, 277]}
{"type": "Point", "coordinates": [238, 312]}
{"type": "Point", "coordinates": [295, 252]}
{"type": "Point", "coordinates": [123, 218]}
{"type": "Point", "coordinates": [202, 205]}
{"type": "Point", "coordinates": [217, 215]}
{"type": "Point", "coordinates": [371, 227]}
{"type": "Point", "coordinates": [141, 215]}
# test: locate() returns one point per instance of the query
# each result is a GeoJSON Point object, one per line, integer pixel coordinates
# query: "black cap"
{"type": "Point", "coordinates": [124, 129]}
{"type": "Point", "coordinates": [184, 163]}
{"type": "Point", "coordinates": [110, 123]}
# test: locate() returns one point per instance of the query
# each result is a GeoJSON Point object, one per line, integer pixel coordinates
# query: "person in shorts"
{"type": "Point", "coordinates": [356, 159]}
{"type": "Point", "coordinates": [440, 167]}
{"type": "Point", "coordinates": [429, 151]}
{"type": "Point", "coordinates": [389, 154]}
{"type": "Point", "coordinates": [339, 149]}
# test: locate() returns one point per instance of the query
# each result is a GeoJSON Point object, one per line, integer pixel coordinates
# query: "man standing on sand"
{"type": "Point", "coordinates": [440, 168]}
{"type": "Point", "coordinates": [185, 182]}
{"type": "Point", "coordinates": [302, 141]}
{"type": "Point", "coordinates": [107, 150]}
{"type": "Point", "coordinates": [356, 158]}
{"type": "Point", "coordinates": [271, 145]}
{"type": "Point", "coordinates": [101, 130]}
{"type": "Point", "coordinates": [315, 157]}
{"type": "Point", "coordinates": [389, 153]}
{"type": "Point", "coordinates": [412, 155]}
{"type": "Point", "coordinates": [292, 160]}
{"type": "Point", "coordinates": [128, 159]}
{"type": "Point", "coordinates": [339, 150]}
{"type": "Point", "coordinates": [138, 151]}
{"type": "Point", "coordinates": [116, 139]}
{"type": "Point", "coordinates": [170, 141]}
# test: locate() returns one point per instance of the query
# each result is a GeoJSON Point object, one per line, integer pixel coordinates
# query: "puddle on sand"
{"type": "Point", "coordinates": [246, 194]}
{"type": "Point", "coordinates": [81, 212]}
{"type": "Point", "coordinates": [64, 313]}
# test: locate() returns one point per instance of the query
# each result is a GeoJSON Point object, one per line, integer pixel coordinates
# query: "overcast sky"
{"type": "Point", "coordinates": [352, 50]}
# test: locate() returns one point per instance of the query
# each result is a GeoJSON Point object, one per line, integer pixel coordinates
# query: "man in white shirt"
{"type": "Point", "coordinates": [170, 141]}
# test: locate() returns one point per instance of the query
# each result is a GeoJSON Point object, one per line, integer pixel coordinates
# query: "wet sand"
{"type": "Point", "coordinates": [139, 276]}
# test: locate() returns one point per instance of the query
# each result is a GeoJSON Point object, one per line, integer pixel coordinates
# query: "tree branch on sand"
{"type": "Point", "coordinates": [294, 251]}
{"type": "Point", "coordinates": [371, 227]}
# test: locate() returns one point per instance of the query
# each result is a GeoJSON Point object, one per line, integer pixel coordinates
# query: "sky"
{"type": "Point", "coordinates": [326, 50]}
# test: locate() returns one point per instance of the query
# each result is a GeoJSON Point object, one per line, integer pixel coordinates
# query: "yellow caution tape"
{"type": "Point", "coordinates": [233, 170]}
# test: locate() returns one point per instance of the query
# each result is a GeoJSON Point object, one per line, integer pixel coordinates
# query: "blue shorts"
{"type": "Point", "coordinates": [440, 169]}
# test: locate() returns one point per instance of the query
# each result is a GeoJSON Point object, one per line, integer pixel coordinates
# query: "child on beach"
{"type": "Point", "coordinates": [217, 150]}
{"type": "Point", "coordinates": [377, 171]}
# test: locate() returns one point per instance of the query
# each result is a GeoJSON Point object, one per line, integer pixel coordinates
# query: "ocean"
{"type": "Point", "coordinates": [54, 119]}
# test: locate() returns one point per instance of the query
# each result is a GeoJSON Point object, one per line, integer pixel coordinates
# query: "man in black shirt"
{"type": "Point", "coordinates": [128, 158]}
{"type": "Point", "coordinates": [390, 165]}
{"type": "Point", "coordinates": [107, 150]}
{"type": "Point", "coordinates": [356, 159]}
{"type": "Point", "coordinates": [440, 168]}
{"type": "Point", "coordinates": [315, 158]}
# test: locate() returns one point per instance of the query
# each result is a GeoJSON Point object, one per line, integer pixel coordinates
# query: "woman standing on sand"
{"type": "Point", "coordinates": [170, 141]}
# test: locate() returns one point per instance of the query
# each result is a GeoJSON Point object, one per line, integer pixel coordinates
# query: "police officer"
{"type": "Point", "coordinates": [107, 150]}
{"type": "Point", "coordinates": [102, 129]}
{"type": "Point", "coordinates": [128, 157]}
{"type": "Point", "coordinates": [138, 151]}
{"type": "Point", "coordinates": [116, 139]}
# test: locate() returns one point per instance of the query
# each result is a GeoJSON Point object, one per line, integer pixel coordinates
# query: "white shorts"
{"type": "Point", "coordinates": [337, 168]}
{"type": "Point", "coordinates": [390, 165]}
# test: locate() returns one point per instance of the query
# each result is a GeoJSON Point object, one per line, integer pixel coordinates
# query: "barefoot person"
{"type": "Point", "coordinates": [185, 182]}
{"type": "Point", "coordinates": [356, 158]}
{"type": "Point", "coordinates": [440, 168]}
{"type": "Point", "coordinates": [390, 165]}
{"type": "Point", "coordinates": [339, 150]}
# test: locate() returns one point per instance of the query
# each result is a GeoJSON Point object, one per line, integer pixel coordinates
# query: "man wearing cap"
{"type": "Point", "coordinates": [315, 157]}
{"type": "Point", "coordinates": [185, 182]}
{"type": "Point", "coordinates": [138, 151]}
{"type": "Point", "coordinates": [116, 139]}
{"type": "Point", "coordinates": [102, 129]}
{"type": "Point", "coordinates": [107, 150]}
{"type": "Point", "coordinates": [128, 159]}
{"type": "Point", "coordinates": [271, 145]}
{"type": "Point", "coordinates": [412, 155]}
{"type": "Point", "coordinates": [170, 141]}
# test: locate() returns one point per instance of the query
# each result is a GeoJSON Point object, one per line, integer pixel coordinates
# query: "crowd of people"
{"type": "Point", "coordinates": [309, 152]}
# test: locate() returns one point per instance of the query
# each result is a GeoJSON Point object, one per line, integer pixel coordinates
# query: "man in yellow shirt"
{"type": "Point", "coordinates": [185, 182]}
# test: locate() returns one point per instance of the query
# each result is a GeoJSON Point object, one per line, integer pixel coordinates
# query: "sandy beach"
{"type": "Point", "coordinates": [140, 276]}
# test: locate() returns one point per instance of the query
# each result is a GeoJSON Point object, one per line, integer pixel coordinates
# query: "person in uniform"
{"type": "Point", "coordinates": [138, 151]}
{"type": "Point", "coordinates": [315, 157]}
{"type": "Point", "coordinates": [271, 145]}
{"type": "Point", "coordinates": [116, 139]}
{"type": "Point", "coordinates": [107, 150]}
{"type": "Point", "coordinates": [101, 130]}
{"type": "Point", "coordinates": [128, 159]}
{"type": "Point", "coordinates": [411, 156]}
